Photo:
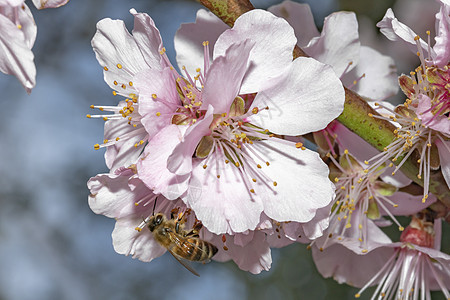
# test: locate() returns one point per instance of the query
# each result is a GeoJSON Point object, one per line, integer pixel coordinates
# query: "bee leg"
{"type": "Point", "coordinates": [195, 229]}
{"type": "Point", "coordinates": [174, 212]}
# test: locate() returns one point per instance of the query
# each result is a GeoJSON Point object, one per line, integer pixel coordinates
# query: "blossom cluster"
{"type": "Point", "coordinates": [242, 139]}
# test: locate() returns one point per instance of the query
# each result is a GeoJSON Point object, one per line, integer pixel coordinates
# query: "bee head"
{"type": "Point", "coordinates": [155, 221]}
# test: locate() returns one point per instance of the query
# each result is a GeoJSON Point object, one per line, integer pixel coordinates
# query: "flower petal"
{"type": "Point", "coordinates": [152, 168]}
{"type": "Point", "coordinates": [128, 241]}
{"type": "Point", "coordinates": [444, 157]}
{"type": "Point", "coordinates": [41, 4]}
{"type": "Point", "coordinates": [380, 75]}
{"type": "Point", "coordinates": [147, 38]}
{"type": "Point", "coordinates": [151, 82]}
{"type": "Point", "coordinates": [111, 195]}
{"type": "Point", "coordinates": [274, 42]}
{"type": "Point", "coordinates": [338, 44]}
{"type": "Point", "coordinates": [180, 161]}
{"type": "Point", "coordinates": [436, 122]}
{"type": "Point", "coordinates": [118, 52]}
{"type": "Point", "coordinates": [224, 204]}
{"type": "Point", "coordinates": [16, 57]}
{"type": "Point", "coordinates": [397, 31]}
{"type": "Point", "coordinates": [442, 46]}
{"type": "Point", "coordinates": [190, 37]}
{"type": "Point", "coordinates": [254, 257]}
{"type": "Point", "coordinates": [308, 98]}
{"type": "Point", "coordinates": [224, 78]}
{"type": "Point", "coordinates": [345, 266]}
{"type": "Point", "coordinates": [302, 182]}
{"type": "Point", "coordinates": [300, 17]}
{"type": "Point", "coordinates": [407, 204]}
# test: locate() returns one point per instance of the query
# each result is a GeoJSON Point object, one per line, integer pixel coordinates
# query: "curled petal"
{"type": "Point", "coordinates": [338, 44]}
{"type": "Point", "coordinates": [274, 42]}
{"type": "Point", "coordinates": [224, 78]}
{"type": "Point", "coordinates": [397, 31]}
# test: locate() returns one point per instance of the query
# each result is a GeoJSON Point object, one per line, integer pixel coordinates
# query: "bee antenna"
{"type": "Point", "coordinates": [154, 206]}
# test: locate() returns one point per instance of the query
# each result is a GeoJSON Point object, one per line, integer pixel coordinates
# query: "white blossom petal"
{"type": "Point", "coordinates": [338, 44]}
{"type": "Point", "coordinates": [308, 98]}
{"type": "Point", "coordinates": [190, 37]}
{"type": "Point", "coordinates": [300, 17]}
{"type": "Point", "coordinates": [274, 42]}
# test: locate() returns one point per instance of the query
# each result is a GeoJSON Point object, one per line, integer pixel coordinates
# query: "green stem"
{"type": "Point", "coordinates": [377, 132]}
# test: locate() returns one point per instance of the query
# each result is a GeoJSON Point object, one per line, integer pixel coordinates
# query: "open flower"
{"type": "Point", "coordinates": [422, 121]}
{"type": "Point", "coordinates": [408, 269]}
{"type": "Point", "coordinates": [125, 198]}
{"type": "Point", "coordinates": [122, 55]}
{"type": "Point", "coordinates": [223, 154]}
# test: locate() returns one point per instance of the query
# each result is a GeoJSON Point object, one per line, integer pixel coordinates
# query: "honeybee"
{"type": "Point", "coordinates": [183, 245]}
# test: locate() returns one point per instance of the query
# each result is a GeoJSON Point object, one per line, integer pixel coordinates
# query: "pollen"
{"type": "Point", "coordinates": [119, 66]}
{"type": "Point", "coordinates": [105, 68]}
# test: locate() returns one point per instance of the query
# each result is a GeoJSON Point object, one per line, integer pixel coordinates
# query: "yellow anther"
{"type": "Point", "coordinates": [119, 66]}
{"type": "Point", "coordinates": [138, 229]}
{"type": "Point", "coordinates": [255, 110]}
{"type": "Point", "coordinates": [254, 179]}
{"type": "Point", "coordinates": [89, 116]}
{"type": "Point", "coordinates": [252, 191]}
{"type": "Point", "coordinates": [105, 68]}
{"type": "Point", "coordinates": [158, 114]}
{"type": "Point", "coordinates": [114, 93]}
{"type": "Point", "coordinates": [96, 146]}
{"type": "Point", "coordinates": [275, 183]}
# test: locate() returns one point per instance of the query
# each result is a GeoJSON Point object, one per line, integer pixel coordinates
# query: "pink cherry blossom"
{"type": "Point", "coordinates": [408, 269]}
{"type": "Point", "coordinates": [222, 156]}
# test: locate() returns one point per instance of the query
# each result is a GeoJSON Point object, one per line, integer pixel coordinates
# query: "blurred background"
{"type": "Point", "coordinates": [51, 245]}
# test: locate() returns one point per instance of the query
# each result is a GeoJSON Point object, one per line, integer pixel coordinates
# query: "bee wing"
{"type": "Point", "coordinates": [180, 242]}
{"type": "Point", "coordinates": [185, 264]}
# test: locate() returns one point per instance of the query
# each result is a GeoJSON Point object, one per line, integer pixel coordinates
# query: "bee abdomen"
{"type": "Point", "coordinates": [198, 250]}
